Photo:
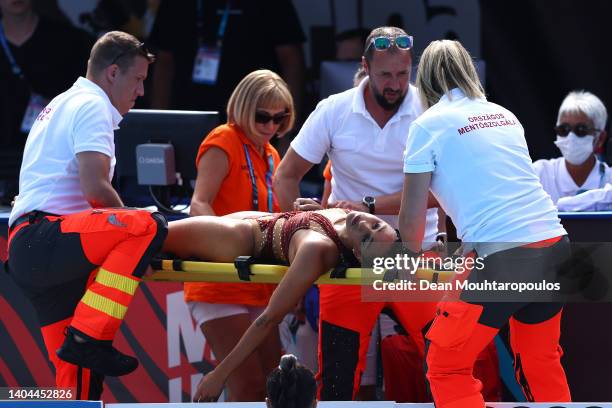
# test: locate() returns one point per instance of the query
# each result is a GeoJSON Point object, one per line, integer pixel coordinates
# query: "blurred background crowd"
{"type": "Point", "coordinates": [531, 53]}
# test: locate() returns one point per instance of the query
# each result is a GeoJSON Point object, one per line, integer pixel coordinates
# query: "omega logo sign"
{"type": "Point", "coordinates": [150, 160]}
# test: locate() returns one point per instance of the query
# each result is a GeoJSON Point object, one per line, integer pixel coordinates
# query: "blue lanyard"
{"type": "Point", "coordinates": [14, 67]}
{"type": "Point", "coordinates": [269, 174]}
{"type": "Point", "coordinates": [269, 183]}
{"type": "Point", "coordinates": [222, 24]}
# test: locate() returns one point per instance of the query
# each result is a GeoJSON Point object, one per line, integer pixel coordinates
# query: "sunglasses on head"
{"type": "Point", "coordinates": [141, 50]}
{"type": "Point", "coordinates": [403, 42]}
{"type": "Point", "coordinates": [264, 117]}
{"type": "Point", "coordinates": [579, 129]}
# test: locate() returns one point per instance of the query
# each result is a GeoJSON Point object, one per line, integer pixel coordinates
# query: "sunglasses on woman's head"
{"type": "Point", "coordinates": [264, 117]}
{"type": "Point", "coordinates": [403, 42]}
{"type": "Point", "coordinates": [579, 129]}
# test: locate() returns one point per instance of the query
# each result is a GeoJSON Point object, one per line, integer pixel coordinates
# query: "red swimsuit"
{"type": "Point", "coordinates": [292, 222]}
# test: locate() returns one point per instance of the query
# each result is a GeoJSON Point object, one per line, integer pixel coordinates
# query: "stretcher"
{"type": "Point", "coordinates": [244, 269]}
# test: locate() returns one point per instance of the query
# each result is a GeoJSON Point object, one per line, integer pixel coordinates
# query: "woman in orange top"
{"type": "Point", "coordinates": [236, 163]}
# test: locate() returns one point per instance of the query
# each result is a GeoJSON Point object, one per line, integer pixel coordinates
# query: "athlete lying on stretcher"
{"type": "Point", "coordinates": [311, 242]}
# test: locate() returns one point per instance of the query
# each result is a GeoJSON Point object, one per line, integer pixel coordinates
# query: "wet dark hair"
{"type": "Point", "coordinates": [291, 385]}
{"type": "Point", "coordinates": [397, 234]}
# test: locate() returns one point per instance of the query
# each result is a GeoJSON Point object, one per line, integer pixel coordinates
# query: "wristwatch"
{"type": "Point", "coordinates": [369, 202]}
{"type": "Point", "coordinates": [442, 237]}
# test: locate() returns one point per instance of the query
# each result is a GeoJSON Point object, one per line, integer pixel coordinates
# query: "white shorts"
{"type": "Point", "coordinates": [203, 312]}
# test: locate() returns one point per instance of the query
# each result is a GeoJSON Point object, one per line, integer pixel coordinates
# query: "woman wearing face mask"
{"type": "Point", "coordinates": [580, 132]}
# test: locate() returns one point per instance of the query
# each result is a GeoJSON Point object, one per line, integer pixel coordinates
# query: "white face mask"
{"type": "Point", "coordinates": [576, 150]}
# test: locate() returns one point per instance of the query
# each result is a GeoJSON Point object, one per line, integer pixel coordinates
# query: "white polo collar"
{"type": "Point", "coordinates": [85, 83]}
{"type": "Point", "coordinates": [452, 95]}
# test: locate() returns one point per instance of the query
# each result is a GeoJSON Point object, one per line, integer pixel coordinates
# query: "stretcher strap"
{"type": "Point", "coordinates": [339, 272]}
{"type": "Point", "coordinates": [176, 270]}
{"type": "Point", "coordinates": [243, 266]}
{"type": "Point", "coordinates": [195, 271]}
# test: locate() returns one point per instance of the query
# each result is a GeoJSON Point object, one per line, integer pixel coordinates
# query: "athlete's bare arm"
{"type": "Point", "coordinates": [313, 255]}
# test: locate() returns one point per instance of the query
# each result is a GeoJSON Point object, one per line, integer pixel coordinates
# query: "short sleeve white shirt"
{"type": "Point", "coordinates": [79, 120]}
{"type": "Point", "coordinates": [482, 174]}
{"type": "Point", "coordinates": [367, 160]}
{"type": "Point", "coordinates": [558, 183]}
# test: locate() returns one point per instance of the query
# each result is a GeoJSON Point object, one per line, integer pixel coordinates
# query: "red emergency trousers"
{"type": "Point", "coordinates": [463, 328]}
{"type": "Point", "coordinates": [345, 327]}
{"type": "Point", "coordinates": [82, 270]}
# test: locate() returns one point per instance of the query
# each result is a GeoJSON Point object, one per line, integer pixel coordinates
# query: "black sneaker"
{"type": "Point", "coordinates": [98, 355]}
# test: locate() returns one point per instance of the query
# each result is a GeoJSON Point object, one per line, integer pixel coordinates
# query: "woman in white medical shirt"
{"type": "Point", "coordinates": [473, 156]}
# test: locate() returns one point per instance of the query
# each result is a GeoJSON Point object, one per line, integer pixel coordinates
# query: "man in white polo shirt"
{"type": "Point", "coordinates": [76, 254]}
{"type": "Point", "coordinates": [363, 131]}
{"type": "Point", "coordinates": [580, 132]}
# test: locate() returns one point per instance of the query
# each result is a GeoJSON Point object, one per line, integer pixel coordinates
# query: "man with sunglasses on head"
{"type": "Point", "coordinates": [363, 131]}
{"type": "Point", "coordinates": [73, 250]}
{"type": "Point", "coordinates": [577, 180]}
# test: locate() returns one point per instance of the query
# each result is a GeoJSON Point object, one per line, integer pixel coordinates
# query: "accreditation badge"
{"type": "Point", "coordinates": [206, 65]}
{"type": "Point", "coordinates": [35, 105]}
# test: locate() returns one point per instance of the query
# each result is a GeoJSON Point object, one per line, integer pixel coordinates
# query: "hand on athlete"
{"type": "Point", "coordinates": [307, 204]}
{"type": "Point", "coordinates": [350, 205]}
{"type": "Point", "coordinates": [209, 388]}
